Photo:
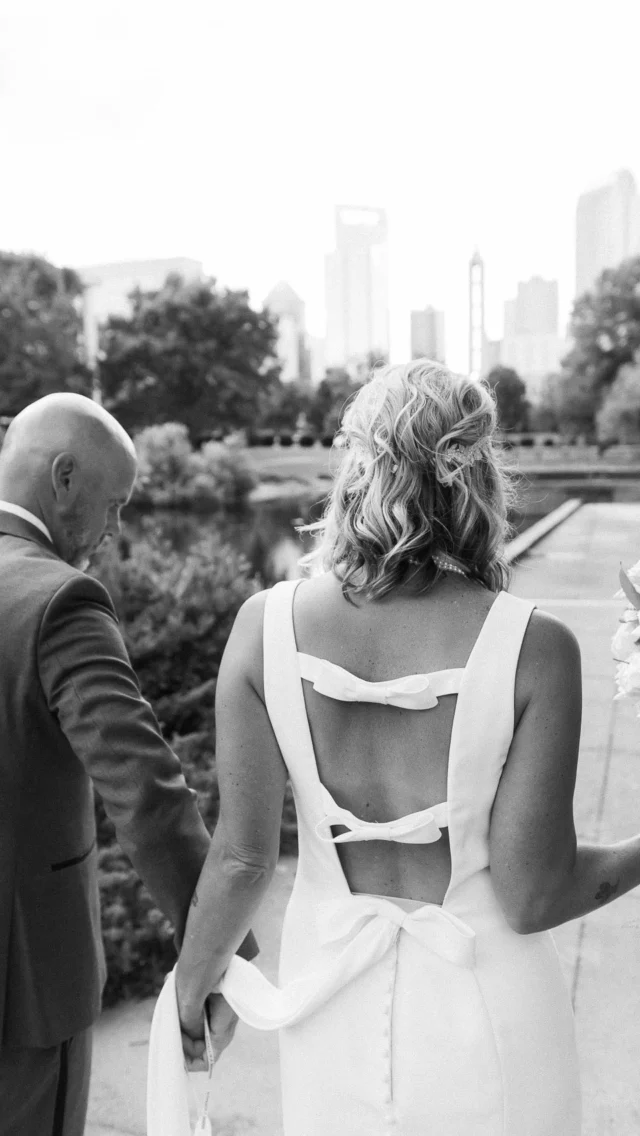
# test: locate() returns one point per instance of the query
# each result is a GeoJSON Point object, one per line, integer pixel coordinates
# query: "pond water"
{"type": "Point", "coordinates": [266, 535]}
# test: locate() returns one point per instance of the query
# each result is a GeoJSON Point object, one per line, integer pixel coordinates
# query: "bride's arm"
{"type": "Point", "coordinates": [245, 844]}
{"type": "Point", "coordinates": [542, 877]}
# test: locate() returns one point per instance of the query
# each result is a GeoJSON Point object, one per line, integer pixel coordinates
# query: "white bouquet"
{"type": "Point", "coordinates": [625, 646]}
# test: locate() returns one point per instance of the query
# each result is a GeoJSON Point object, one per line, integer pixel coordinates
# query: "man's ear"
{"type": "Point", "coordinates": [64, 473]}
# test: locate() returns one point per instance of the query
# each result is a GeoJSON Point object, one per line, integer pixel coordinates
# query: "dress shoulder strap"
{"type": "Point", "coordinates": [284, 698]}
{"type": "Point", "coordinates": [500, 639]}
{"type": "Point", "coordinates": [482, 732]}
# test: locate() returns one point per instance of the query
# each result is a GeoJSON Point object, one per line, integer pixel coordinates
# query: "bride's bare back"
{"type": "Point", "coordinates": [383, 762]}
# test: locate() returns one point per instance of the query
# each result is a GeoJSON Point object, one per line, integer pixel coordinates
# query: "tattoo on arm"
{"type": "Point", "coordinates": [194, 898]}
{"type": "Point", "coordinates": [606, 891]}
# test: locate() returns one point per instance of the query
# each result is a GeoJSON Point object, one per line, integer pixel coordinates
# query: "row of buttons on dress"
{"type": "Point", "coordinates": [390, 1116]}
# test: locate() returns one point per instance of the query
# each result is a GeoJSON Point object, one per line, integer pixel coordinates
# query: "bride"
{"type": "Point", "coordinates": [429, 723]}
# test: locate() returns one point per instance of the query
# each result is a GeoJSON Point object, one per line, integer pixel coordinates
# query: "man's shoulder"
{"type": "Point", "coordinates": [35, 578]}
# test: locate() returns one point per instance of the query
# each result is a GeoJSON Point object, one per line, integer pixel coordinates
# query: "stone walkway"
{"type": "Point", "coordinates": [573, 574]}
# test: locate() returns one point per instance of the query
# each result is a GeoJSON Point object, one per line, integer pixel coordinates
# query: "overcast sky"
{"type": "Point", "coordinates": [227, 132]}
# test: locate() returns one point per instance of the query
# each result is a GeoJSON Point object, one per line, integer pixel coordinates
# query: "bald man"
{"type": "Point", "coordinates": [71, 716]}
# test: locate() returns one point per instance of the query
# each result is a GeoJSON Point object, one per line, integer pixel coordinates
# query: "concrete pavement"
{"type": "Point", "coordinates": [573, 574]}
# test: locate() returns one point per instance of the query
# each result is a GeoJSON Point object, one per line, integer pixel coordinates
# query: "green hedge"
{"type": "Point", "coordinates": [176, 612]}
{"type": "Point", "coordinates": [171, 474]}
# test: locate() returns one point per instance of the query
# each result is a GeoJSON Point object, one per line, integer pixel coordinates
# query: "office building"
{"type": "Point", "coordinates": [534, 310]}
{"type": "Point", "coordinates": [317, 355]}
{"type": "Point", "coordinates": [289, 310]}
{"type": "Point", "coordinates": [531, 344]}
{"type": "Point", "coordinates": [607, 228]}
{"type": "Point", "coordinates": [534, 357]}
{"type": "Point", "coordinates": [492, 354]}
{"type": "Point", "coordinates": [357, 288]}
{"type": "Point", "coordinates": [477, 334]}
{"type": "Point", "coordinates": [110, 285]}
{"type": "Point", "coordinates": [427, 335]}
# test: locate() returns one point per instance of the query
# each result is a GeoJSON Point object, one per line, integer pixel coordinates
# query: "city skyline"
{"type": "Point", "coordinates": [169, 141]}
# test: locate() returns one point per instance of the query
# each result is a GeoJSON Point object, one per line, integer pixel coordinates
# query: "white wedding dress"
{"type": "Point", "coordinates": [399, 1018]}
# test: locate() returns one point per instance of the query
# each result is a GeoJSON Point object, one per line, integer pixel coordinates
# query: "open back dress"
{"type": "Point", "coordinates": [400, 1018]}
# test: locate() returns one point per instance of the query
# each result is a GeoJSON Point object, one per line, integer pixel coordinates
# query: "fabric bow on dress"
{"type": "Point", "coordinates": [423, 827]}
{"type": "Point", "coordinates": [355, 933]}
{"type": "Point", "coordinates": [413, 692]}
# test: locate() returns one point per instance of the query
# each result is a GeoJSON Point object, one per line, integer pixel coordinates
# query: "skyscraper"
{"type": "Point", "coordinates": [111, 284]}
{"type": "Point", "coordinates": [534, 310]}
{"type": "Point", "coordinates": [357, 288]}
{"type": "Point", "coordinates": [531, 344]}
{"type": "Point", "coordinates": [427, 335]}
{"type": "Point", "coordinates": [288, 308]}
{"type": "Point", "coordinates": [477, 336]}
{"type": "Point", "coordinates": [607, 228]}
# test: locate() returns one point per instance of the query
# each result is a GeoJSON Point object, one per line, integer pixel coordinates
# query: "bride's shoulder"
{"type": "Point", "coordinates": [250, 618]}
{"type": "Point", "coordinates": [549, 658]}
{"type": "Point", "coordinates": [546, 633]}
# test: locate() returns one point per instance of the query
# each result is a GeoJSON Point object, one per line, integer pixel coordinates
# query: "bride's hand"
{"type": "Point", "coordinates": [192, 1031]}
{"type": "Point", "coordinates": [222, 1024]}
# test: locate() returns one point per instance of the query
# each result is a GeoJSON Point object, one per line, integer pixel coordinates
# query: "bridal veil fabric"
{"type": "Point", "coordinates": [400, 1018]}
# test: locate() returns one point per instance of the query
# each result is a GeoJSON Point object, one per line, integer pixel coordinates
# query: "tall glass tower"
{"type": "Point", "coordinates": [476, 316]}
{"type": "Point", "coordinates": [607, 228]}
{"type": "Point", "coordinates": [357, 287]}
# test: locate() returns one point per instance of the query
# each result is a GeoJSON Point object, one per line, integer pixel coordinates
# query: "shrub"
{"type": "Point", "coordinates": [164, 459]}
{"type": "Point", "coordinates": [137, 938]}
{"type": "Point", "coordinates": [327, 440]}
{"type": "Point", "coordinates": [261, 438]}
{"type": "Point", "coordinates": [177, 612]}
{"type": "Point", "coordinates": [221, 474]}
{"type": "Point", "coordinates": [306, 440]}
{"type": "Point", "coordinates": [171, 473]}
{"type": "Point", "coordinates": [286, 440]}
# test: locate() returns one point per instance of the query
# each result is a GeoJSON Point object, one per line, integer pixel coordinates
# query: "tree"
{"type": "Point", "coordinates": [605, 328]}
{"type": "Point", "coordinates": [577, 404]}
{"type": "Point", "coordinates": [510, 393]}
{"type": "Point", "coordinates": [284, 404]}
{"type": "Point", "coordinates": [40, 331]}
{"type": "Point", "coordinates": [618, 419]}
{"type": "Point", "coordinates": [330, 397]}
{"type": "Point", "coordinates": [190, 353]}
{"type": "Point", "coordinates": [543, 417]}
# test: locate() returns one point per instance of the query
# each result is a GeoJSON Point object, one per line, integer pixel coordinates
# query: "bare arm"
{"type": "Point", "coordinates": [541, 876]}
{"type": "Point", "coordinates": [245, 845]}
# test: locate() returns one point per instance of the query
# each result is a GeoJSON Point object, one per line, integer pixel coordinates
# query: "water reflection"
{"type": "Point", "coordinates": [264, 533]}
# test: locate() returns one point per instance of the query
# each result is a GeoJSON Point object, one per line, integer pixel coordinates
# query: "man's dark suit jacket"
{"type": "Point", "coordinates": [71, 713]}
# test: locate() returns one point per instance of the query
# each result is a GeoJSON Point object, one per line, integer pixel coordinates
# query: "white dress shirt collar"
{"type": "Point", "coordinates": [18, 511]}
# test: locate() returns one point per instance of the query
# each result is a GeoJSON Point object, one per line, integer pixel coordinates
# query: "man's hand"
{"type": "Point", "coordinates": [222, 1025]}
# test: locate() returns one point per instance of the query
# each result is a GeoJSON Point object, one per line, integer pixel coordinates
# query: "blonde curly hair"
{"type": "Point", "coordinates": [419, 476]}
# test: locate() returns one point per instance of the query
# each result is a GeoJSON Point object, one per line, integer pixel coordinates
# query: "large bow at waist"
{"type": "Point", "coordinates": [355, 933]}
{"type": "Point", "coordinates": [412, 692]}
{"type": "Point", "coordinates": [433, 926]}
{"type": "Point", "coordinates": [423, 827]}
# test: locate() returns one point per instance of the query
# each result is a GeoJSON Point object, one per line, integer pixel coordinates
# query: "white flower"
{"type": "Point", "coordinates": [626, 638]}
{"type": "Point", "coordinates": [628, 677]}
{"type": "Point", "coordinates": [634, 576]}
